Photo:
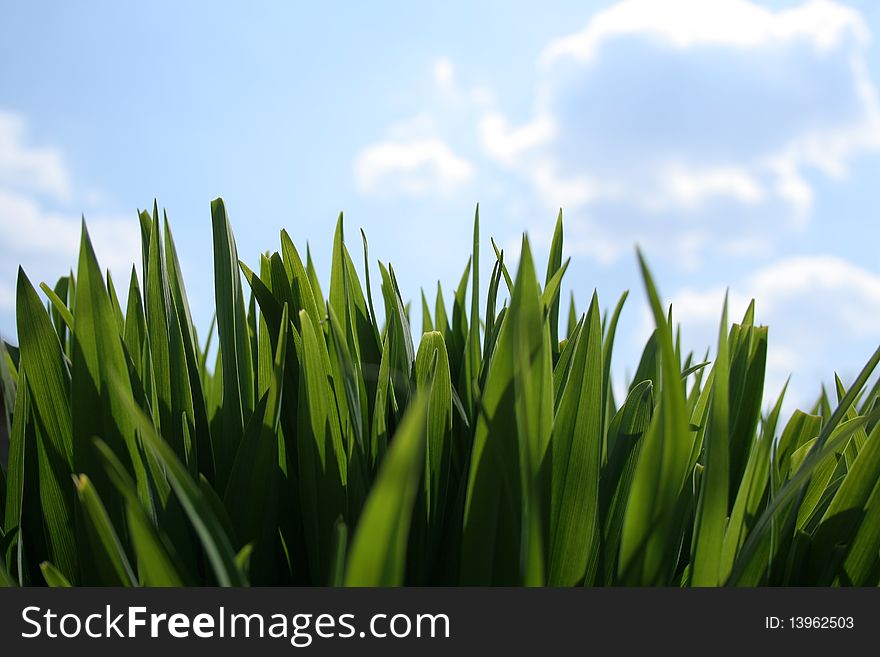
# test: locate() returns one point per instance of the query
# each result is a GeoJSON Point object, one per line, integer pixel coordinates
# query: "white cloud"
{"type": "Point", "coordinates": [690, 188]}
{"type": "Point", "coordinates": [693, 23]}
{"type": "Point", "coordinates": [509, 144]}
{"type": "Point", "coordinates": [820, 309]}
{"type": "Point", "coordinates": [26, 167]}
{"type": "Point", "coordinates": [415, 166]}
{"type": "Point", "coordinates": [40, 220]}
{"type": "Point", "coordinates": [833, 288]}
{"type": "Point", "coordinates": [831, 285]}
{"type": "Point", "coordinates": [791, 187]}
{"type": "Point", "coordinates": [415, 158]}
{"type": "Point", "coordinates": [660, 116]}
{"type": "Point", "coordinates": [31, 231]}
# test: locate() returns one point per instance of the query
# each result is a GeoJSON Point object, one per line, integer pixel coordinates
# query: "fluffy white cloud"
{"type": "Point", "coordinates": [414, 166]}
{"type": "Point", "coordinates": [657, 116]}
{"type": "Point", "coordinates": [40, 220]}
{"type": "Point", "coordinates": [820, 309]}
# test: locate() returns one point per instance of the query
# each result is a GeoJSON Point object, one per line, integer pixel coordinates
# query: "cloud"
{"type": "Point", "coordinates": [659, 116]}
{"type": "Point", "coordinates": [33, 232]}
{"type": "Point", "coordinates": [40, 219]}
{"type": "Point", "coordinates": [693, 23]}
{"type": "Point", "coordinates": [820, 309]}
{"type": "Point", "coordinates": [414, 167]}
{"type": "Point", "coordinates": [691, 188]}
{"type": "Point", "coordinates": [506, 144]}
{"type": "Point", "coordinates": [433, 152]}
{"type": "Point", "coordinates": [26, 167]}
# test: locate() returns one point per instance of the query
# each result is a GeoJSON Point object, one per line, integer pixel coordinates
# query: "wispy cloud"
{"type": "Point", "coordinates": [40, 217]}
{"type": "Point", "coordinates": [27, 167]}
{"type": "Point", "coordinates": [424, 156]}
{"type": "Point", "coordinates": [410, 166]}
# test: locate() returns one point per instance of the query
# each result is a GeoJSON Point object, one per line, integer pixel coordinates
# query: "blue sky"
{"type": "Point", "coordinates": [738, 143]}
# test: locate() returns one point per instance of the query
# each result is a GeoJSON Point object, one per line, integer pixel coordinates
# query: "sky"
{"type": "Point", "coordinates": [737, 143]}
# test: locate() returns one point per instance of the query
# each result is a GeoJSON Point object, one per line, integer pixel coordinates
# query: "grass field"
{"type": "Point", "coordinates": [322, 446]}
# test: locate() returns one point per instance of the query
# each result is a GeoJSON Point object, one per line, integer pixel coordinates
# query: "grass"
{"type": "Point", "coordinates": [322, 447]}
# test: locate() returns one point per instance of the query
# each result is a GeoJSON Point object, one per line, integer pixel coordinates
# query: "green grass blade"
{"type": "Point", "coordinates": [470, 383]}
{"type": "Point", "coordinates": [101, 389]}
{"type": "Point", "coordinates": [576, 449]}
{"type": "Point", "coordinates": [300, 282]}
{"type": "Point", "coordinates": [378, 550]}
{"type": "Point", "coordinates": [135, 330]}
{"type": "Point", "coordinates": [625, 436]}
{"type": "Point", "coordinates": [238, 383]}
{"type": "Point", "coordinates": [434, 379]}
{"type": "Point", "coordinates": [861, 567]}
{"type": "Point", "coordinates": [155, 564]}
{"type": "Point", "coordinates": [499, 255]}
{"type": "Point", "coordinates": [21, 485]}
{"type": "Point", "coordinates": [59, 307]}
{"type": "Point", "coordinates": [510, 440]}
{"type": "Point", "coordinates": [711, 515]}
{"type": "Point", "coordinates": [652, 521]}
{"type": "Point", "coordinates": [110, 559]}
{"type": "Point", "coordinates": [53, 576]}
{"type": "Point", "coordinates": [49, 381]}
{"type": "Point", "coordinates": [254, 479]}
{"type": "Point", "coordinates": [209, 529]}
{"type": "Point", "coordinates": [554, 263]}
{"type": "Point", "coordinates": [752, 490]}
{"type": "Point", "coordinates": [323, 473]}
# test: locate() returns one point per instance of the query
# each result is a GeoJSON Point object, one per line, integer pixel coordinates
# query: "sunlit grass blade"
{"type": "Point", "coordinates": [433, 379]}
{"type": "Point", "coordinates": [323, 472]}
{"type": "Point", "coordinates": [238, 383]}
{"type": "Point", "coordinates": [41, 354]}
{"type": "Point", "coordinates": [101, 389]}
{"type": "Point", "coordinates": [576, 452]}
{"type": "Point", "coordinates": [711, 515]}
{"type": "Point", "coordinates": [554, 263]}
{"type": "Point", "coordinates": [510, 439]}
{"type": "Point", "coordinates": [652, 521]}
{"type": "Point", "coordinates": [377, 556]}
